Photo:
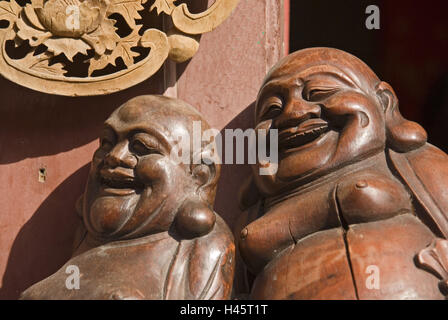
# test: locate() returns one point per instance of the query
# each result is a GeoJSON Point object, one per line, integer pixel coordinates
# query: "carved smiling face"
{"type": "Point", "coordinates": [324, 105]}
{"type": "Point", "coordinates": [134, 186]}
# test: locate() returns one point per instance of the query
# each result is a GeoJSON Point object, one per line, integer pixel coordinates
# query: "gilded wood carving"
{"type": "Point", "coordinates": [93, 47]}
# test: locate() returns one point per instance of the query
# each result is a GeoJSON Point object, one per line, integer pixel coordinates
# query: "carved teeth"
{"type": "Point", "coordinates": [303, 137]}
{"type": "Point", "coordinates": [121, 184]}
{"type": "Point", "coordinates": [308, 132]}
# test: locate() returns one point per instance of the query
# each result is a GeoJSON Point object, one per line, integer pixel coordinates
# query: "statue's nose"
{"type": "Point", "coordinates": [295, 112]}
{"type": "Point", "coordinates": [120, 156]}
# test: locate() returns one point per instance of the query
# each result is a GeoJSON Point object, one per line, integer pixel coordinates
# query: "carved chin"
{"type": "Point", "coordinates": [108, 215]}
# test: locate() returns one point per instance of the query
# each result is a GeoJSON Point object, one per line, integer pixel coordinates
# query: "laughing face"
{"type": "Point", "coordinates": [323, 104]}
{"type": "Point", "coordinates": [134, 187]}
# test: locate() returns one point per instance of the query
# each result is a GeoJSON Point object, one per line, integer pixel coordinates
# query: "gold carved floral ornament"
{"type": "Point", "coordinates": [93, 47]}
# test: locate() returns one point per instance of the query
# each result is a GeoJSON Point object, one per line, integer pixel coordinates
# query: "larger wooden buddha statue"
{"type": "Point", "coordinates": [358, 208]}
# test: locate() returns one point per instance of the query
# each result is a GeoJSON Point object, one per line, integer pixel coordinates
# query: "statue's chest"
{"type": "Point", "coordinates": [360, 197]}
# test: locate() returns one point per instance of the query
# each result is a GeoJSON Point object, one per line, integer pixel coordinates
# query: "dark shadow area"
{"type": "Point", "coordinates": [338, 24]}
{"type": "Point", "coordinates": [437, 112]}
{"type": "Point", "coordinates": [196, 6]}
{"type": "Point", "coordinates": [44, 243]}
{"type": "Point", "coordinates": [233, 175]}
{"type": "Point", "coordinates": [408, 51]}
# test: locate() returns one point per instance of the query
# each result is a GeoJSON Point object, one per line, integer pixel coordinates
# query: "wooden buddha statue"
{"type": "Point", "coordinates": [358, 205]}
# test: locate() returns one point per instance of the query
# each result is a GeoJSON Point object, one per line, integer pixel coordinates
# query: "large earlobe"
{"type": "Point", "coordinates": [402, 135]}
{"type": "Point", "coordinates": [194, 219]}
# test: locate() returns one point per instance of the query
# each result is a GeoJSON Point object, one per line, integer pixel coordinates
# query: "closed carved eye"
{"type": "Point", "coordinates": [273, 107]}
{"type": "Point", "coordinates": [142, 145]}
{"type": "Point", "coordinates": [107, 139]}
{"type": "Point", "coordinates": [318, 93]}
{"type": "Point", "coordinates": [106, 144]}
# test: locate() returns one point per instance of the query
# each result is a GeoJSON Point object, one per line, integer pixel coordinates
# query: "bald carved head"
{"type": "Point", "coordinates": [135, 188]}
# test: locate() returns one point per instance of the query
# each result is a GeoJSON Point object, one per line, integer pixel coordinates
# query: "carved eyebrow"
{"type": "Point", "coordinates": [279, 83]}
{"type": "Point", "coordinates": [318, 78]}
{"type": "Point", "coordinates": [142, 128]}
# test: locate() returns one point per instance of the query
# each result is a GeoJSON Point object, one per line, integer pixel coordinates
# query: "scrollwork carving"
{"type": "Point", "coordinates": [107, 42]}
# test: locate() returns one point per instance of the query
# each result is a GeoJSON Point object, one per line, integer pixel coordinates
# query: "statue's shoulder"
{"type": "Point", "coordinates": [220, 239]}
{"type": "Point", "coordinates": [203, 267]}
{"type": "Point", "coordinates": [429, 154]}
{"type": "Point", "coordinates": [425, 171]}
{"type": "Point", "coordinates": [222, 230]}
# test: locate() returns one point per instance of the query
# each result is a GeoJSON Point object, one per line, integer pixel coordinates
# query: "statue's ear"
{"type": "Point", "coordinates": [402, 135]}
{"type": "Point", "coordinates": [195, 217]}
{"type": "Point", "coordinates": [206, 174]}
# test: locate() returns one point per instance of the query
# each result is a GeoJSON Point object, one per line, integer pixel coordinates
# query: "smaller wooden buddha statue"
{"type": "Point", "coordinates": [150, 230]}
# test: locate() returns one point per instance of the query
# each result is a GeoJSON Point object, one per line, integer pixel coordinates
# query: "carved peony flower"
{"type": "Point", "coordinates": [68, 27]}
{"type": "Point", "coordinates": [72, 18]}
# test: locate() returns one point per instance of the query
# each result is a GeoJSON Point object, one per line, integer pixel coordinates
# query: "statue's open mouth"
{"type": "Point", "coordinates": [119, 181]}
{"type": "Point", "coordinates": [305, 133]}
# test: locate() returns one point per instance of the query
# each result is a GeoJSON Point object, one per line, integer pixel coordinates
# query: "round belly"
{"type": "Point", "coordinates": [368, 261]}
